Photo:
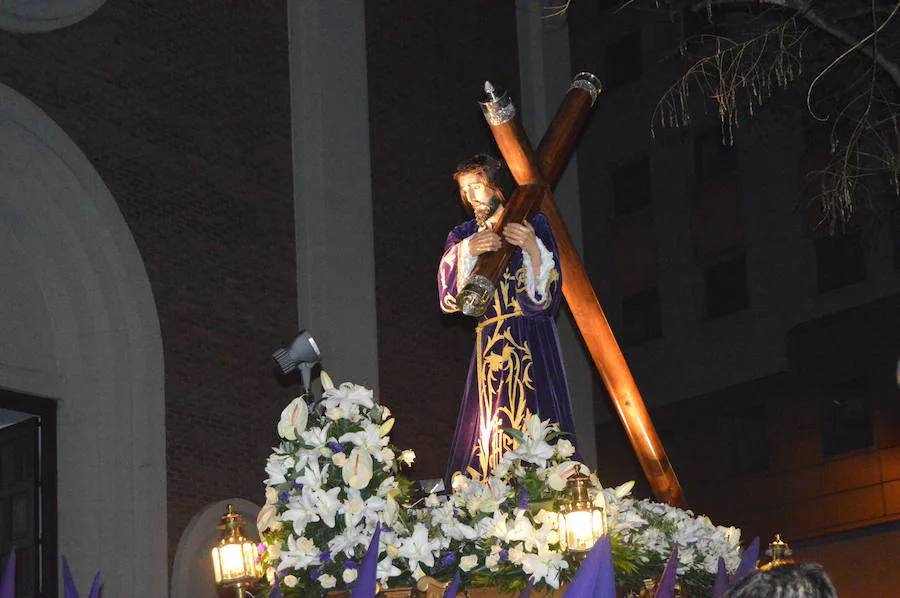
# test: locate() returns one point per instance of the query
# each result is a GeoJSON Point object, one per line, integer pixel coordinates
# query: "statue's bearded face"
{"type": "Point", "coordinates": [481, 197]}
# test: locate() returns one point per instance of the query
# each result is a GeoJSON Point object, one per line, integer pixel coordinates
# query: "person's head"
{"type": "Point", "coordinates": [478, 187]}
{"type": "Point", "coordinates": [806, 580]}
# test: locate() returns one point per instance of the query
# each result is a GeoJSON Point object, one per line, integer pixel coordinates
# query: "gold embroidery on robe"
{"type": "Point", "coordinates": [504, 370]}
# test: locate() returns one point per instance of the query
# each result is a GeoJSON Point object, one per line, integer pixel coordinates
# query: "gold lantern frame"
{"type": "Point", "coordinates": [581, 521]}
{"type": "Point", "coordinates": [234, 557]}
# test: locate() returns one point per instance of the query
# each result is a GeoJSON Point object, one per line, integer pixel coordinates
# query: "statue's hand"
{"type": "Point", "coordinates": [484, 241]}
{"type": "Point", "coordinates": [522, 235]}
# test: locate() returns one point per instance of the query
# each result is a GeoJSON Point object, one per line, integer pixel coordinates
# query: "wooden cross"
{"type": "Point", "coordinates": [536, 173]}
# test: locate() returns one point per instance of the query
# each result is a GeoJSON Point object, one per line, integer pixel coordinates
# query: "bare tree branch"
{"type": "Point", "coordinates": [740, 68]}
{"type": "Point", "coordinates": [889, 66]}
{"type": "Point", "coordinates": [805, 10]}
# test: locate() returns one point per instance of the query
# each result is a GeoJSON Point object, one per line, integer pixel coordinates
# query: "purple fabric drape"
{"type": "Point", "coordinates": [8, 585]}
{"type": "Point", "coordinates": [516, 368]}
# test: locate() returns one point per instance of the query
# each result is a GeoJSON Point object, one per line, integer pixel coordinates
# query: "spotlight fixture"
{"type": "Point", "coordinates": [303, 354]}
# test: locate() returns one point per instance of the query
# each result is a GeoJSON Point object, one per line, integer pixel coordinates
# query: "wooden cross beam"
{"type": "Point", "coordinates": [535, 173]}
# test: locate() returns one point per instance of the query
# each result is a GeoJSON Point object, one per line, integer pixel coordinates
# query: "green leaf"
{"type": "Point", "coordinates": [517, 434]}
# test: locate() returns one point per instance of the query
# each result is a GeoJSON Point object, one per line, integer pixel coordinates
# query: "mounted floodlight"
{"type": "Point", "coordinates": [303, 354]}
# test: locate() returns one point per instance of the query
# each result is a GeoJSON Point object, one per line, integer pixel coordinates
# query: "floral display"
{"type": "Point", "coordinates": [335, 477]}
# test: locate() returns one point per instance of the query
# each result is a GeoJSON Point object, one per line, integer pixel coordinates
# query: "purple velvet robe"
{"type": "Point", "coordinates": [516, 368]}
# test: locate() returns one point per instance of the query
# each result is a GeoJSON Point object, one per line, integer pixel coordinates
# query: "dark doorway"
{"type": "Point", "coordinates": [28, 510]}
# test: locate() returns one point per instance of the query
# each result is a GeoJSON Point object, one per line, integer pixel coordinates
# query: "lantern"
{"type": "Point", "coordinates": [779, 552]}
{"type": "Point", "coordinates": [581, 522]}
{"type": "Point", "coordinates": [234, 556]}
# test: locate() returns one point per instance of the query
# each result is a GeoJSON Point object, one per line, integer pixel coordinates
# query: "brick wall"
{"type": "Point", "coordinates": [183, 109]}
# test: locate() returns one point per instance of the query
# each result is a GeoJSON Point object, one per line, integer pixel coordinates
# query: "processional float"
{"type": "Point", "coordinates": [535, 174]}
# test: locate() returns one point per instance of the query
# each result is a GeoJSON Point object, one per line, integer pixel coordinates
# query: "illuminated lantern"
{"type": "Point", "coordinates": [234, 557]}
{"type": "Point", "coordinates": [581, 522]}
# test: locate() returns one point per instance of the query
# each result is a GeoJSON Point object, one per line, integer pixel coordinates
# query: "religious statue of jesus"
{"type": "Point", "coordinates": [516, 368]}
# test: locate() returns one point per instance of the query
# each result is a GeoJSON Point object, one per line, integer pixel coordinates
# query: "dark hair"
{"type": "Point", "coordinates": [807, 580]}
{"type": "Point", "coordinates": [487, 167]}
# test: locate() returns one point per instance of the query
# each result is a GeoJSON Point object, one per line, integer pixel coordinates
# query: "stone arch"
{"type": "Point", "coordinates": [192, 575]}
{"type": "Point", "coordinates": [28, 16]}
{"type": "Point", "coordinates": [78, 324]}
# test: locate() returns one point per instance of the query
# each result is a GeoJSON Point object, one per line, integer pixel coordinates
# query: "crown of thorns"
{"type": "Point", "coordinates": [480, 164]}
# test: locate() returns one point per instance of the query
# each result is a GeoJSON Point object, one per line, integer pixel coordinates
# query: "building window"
{"type": "Point", "coordinates": [840, 260]}
{"type": "Point", "coordinates": [712, 158]}
{"type": "Point", "coordinates": [28, 491]}
{"type": "Point", "coordinates": [641, 317]}
{"type": "Point", "coordinates": [623, 60]}
{"type": "Point", "coordinates": [746, 441]}
{"type": "Point", "coordinates": [632, 186]}
{"type": "Point", "coordinates": [846, 423]}
{"type": "Point", "coordinates": [726, 287]}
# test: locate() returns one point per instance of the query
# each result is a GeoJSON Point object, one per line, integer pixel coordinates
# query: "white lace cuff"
{"type": "Point", "coordinates": [465, 262]}
{"type": "Point", "coordinates": [537, 289]}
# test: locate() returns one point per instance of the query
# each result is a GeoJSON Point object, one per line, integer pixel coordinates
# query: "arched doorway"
{"type": "Point", "coordinates": [78, 324]}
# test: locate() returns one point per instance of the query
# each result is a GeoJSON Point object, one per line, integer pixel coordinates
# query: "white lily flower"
{"type": "Point", "coordinates": [347, 395]}
{"type": "Point", "coordinates": [387, 486]}
{"type": "Point", "coordinates": [545, 565]}
{"type": "Point", "coordinates": [328, 504]}
{"type": "Point", "coordinates": [386, 570]}
{"type": "Point", "coordinates": [313, 476]}
{"type": "Point", "coordinates": [354, 508]}
{"type": "Point", "coordinates": [419, 548]}
{"type": "Point", "coordinates": [370, 438]}
{"type": "Point", "coordinates": [521, 530]}
{"type": "Point", "coordinates": [277, 467]}
{"type": "Point", "coordinates": [493, 526]}
{"type": "Point", "coordinates": [624, 490]}
{"type": "Point", "coordinates": [316, 437]}
{"type": "Point", "coordinates": [347, 541]}
{"type": "Point", "coordinates": [301, 510]}
{"type": "Point", "coordinates": [534, 447]}
{"type": "Point", "coordinates": [300, 553]}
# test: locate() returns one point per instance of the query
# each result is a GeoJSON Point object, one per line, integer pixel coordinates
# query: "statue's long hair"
{"type": "Point", "coordinates": [485, 166]}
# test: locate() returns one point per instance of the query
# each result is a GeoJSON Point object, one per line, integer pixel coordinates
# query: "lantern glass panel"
{"type": "Point", "coordinates": [231, 563]}
{"type": "Point", "coordinates": [579, 531]}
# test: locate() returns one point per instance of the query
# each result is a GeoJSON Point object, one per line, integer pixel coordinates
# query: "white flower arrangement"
{"type": "Point", "coordinates": [335, 476]}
